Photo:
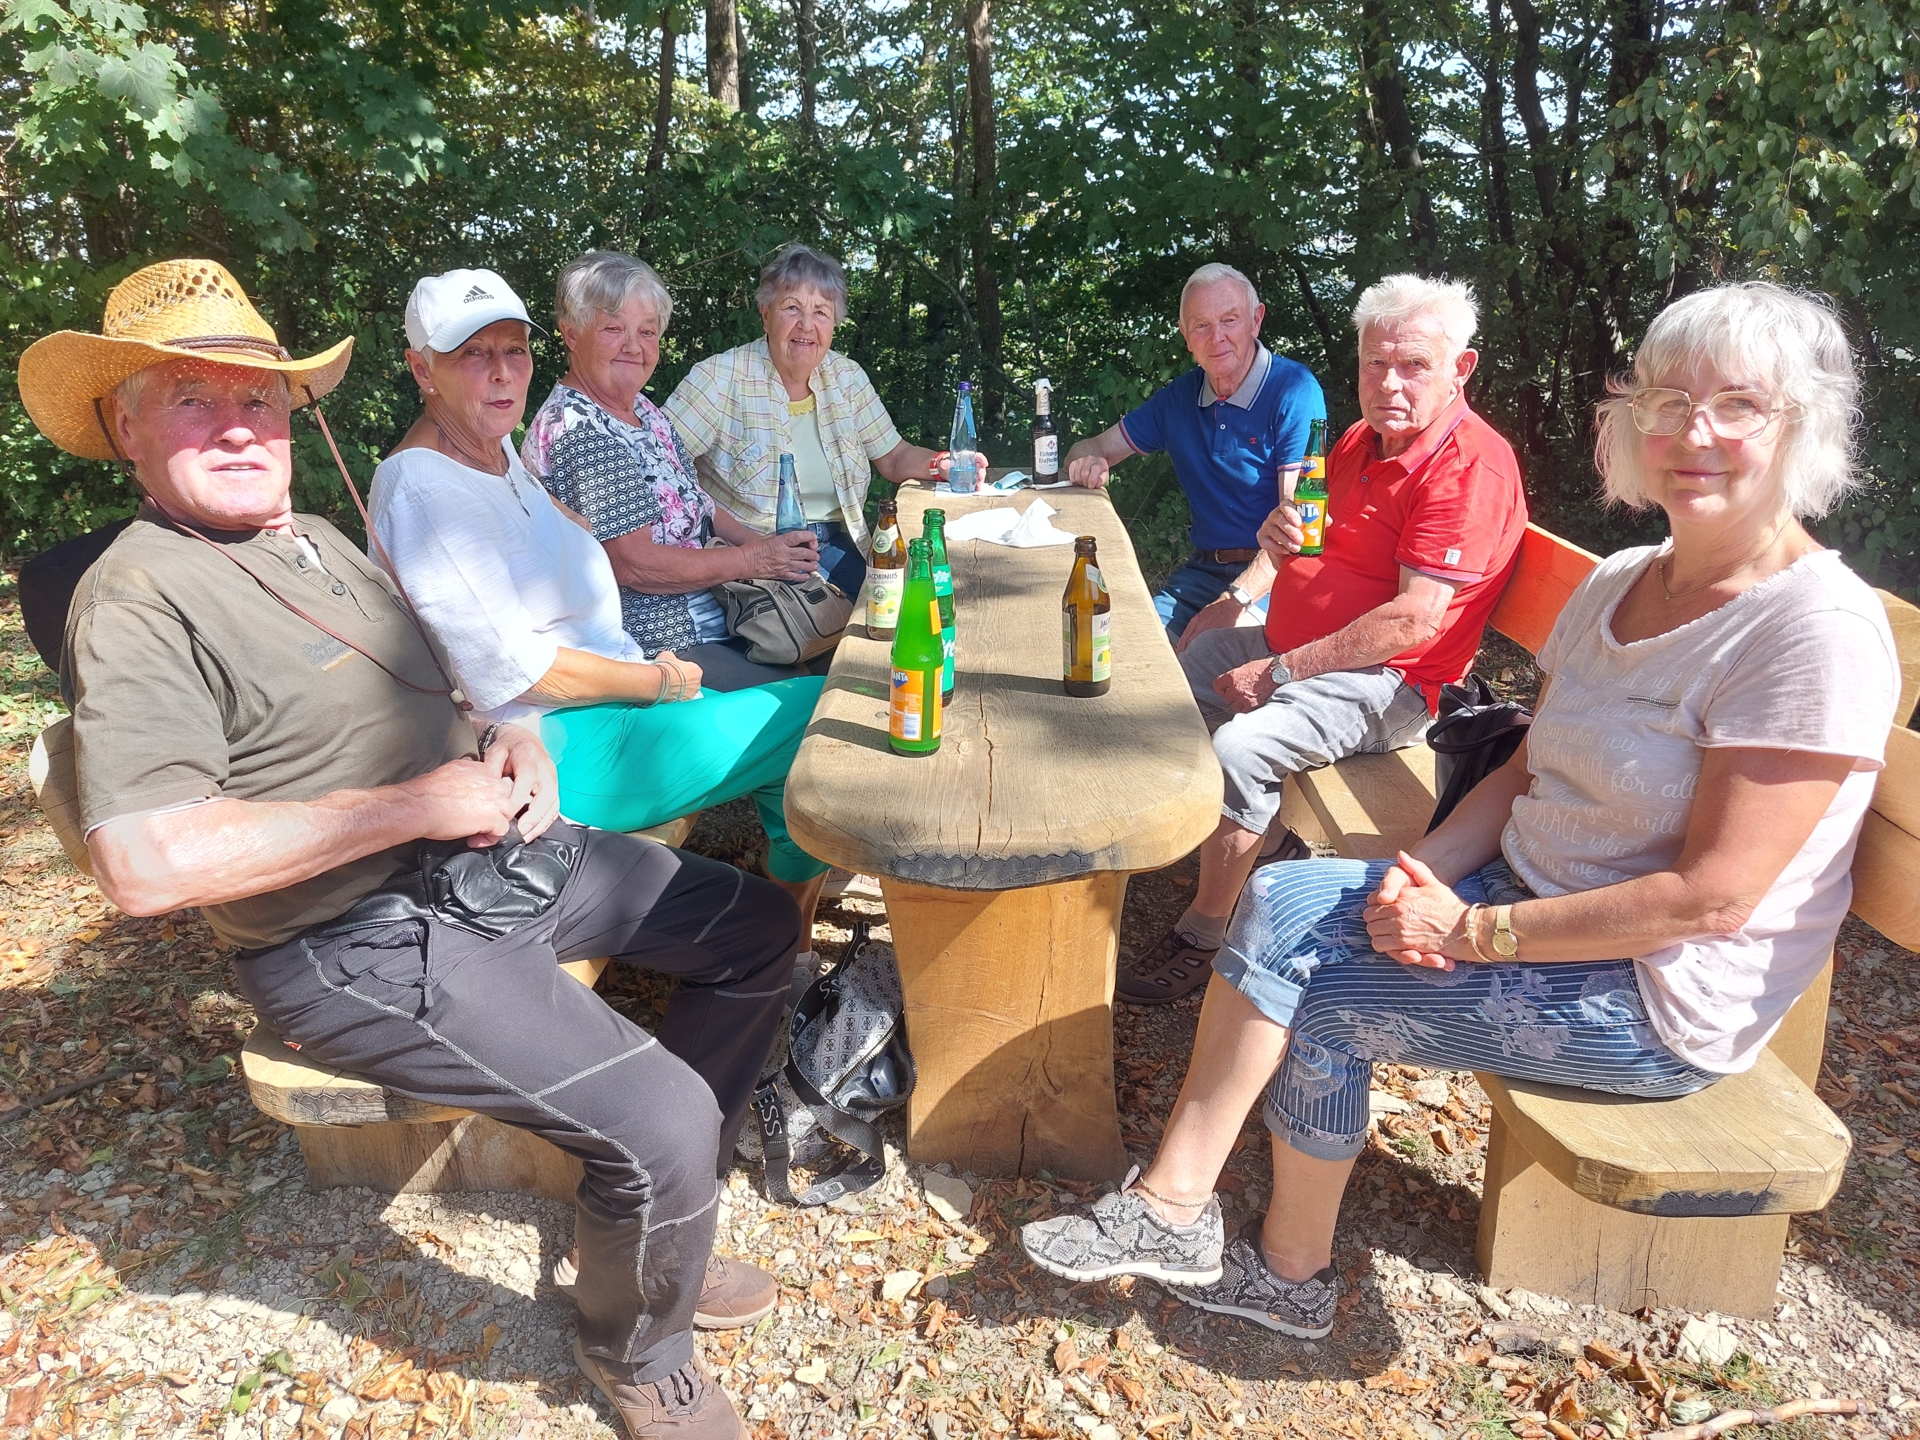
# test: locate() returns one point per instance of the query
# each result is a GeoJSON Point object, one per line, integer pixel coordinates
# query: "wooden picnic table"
{"type": "Point", "coordinates": [1004, 856]}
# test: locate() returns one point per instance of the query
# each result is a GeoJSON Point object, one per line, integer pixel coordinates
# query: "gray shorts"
{"type": "Point", "coordinates": [1307, 723]}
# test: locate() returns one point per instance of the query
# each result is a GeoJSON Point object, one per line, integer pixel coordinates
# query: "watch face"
{"type": "Point", "coordinates": [1504, 943]}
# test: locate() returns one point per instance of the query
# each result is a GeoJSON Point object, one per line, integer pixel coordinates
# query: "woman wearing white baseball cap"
{"type": "Point", "coordinates": [523, 599]}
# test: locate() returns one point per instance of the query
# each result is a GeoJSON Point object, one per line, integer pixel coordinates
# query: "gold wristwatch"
{"type": "Point", "coordinates": [1506, 944]}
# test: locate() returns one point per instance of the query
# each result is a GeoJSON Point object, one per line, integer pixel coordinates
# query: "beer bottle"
{"type": "Point", "coordinates": [936, 538]}
{"type": "Point", "coordinates": [1310, 495]}
{"type": "Point", "coordinates": [1087, 667]}
{"type": "Point", "coordinates": [913, 717]}
{"type": "Point", "coordinates": [1046, 436]}
{"type": "Point", "coordinates": [886, 574]}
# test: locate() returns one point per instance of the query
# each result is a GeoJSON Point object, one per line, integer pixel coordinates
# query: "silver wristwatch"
{"type": "Point", "coordinates": [1240, 596]}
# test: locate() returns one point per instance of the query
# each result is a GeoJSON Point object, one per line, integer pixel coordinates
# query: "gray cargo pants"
{"type": "Point", "coordinates": [496, 1026]}
{"type": "Point", "coordinates": [1307, 723]}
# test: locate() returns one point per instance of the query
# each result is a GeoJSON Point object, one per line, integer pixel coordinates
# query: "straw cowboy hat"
{"type": "Point", "coordinates": [176, 310]}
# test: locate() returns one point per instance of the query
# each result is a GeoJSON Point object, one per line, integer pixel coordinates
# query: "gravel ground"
{"type": "Point", "coordinates": [165, 1271]}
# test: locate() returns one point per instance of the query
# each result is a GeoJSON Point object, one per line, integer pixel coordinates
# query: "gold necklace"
{"type": "Point", "coordinates": [1671, 594]}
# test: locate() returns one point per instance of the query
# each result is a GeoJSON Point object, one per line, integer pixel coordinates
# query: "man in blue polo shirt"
{"type": "Point", "coordinates": [1231, 425]}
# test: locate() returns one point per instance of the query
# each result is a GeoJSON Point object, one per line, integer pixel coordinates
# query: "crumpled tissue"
{"type": "Point", "coordinates": [1004, 525]}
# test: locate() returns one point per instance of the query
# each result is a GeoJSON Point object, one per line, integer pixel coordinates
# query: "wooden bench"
{"type": "Point", "coordinates": [1627, 1203]}
{"type": "Point", "coordinates": [355, 1132]}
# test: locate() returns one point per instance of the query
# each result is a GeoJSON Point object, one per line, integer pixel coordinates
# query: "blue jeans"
{"type": "Point", "coordinates": [1298, 949]}
{"type": "Point", "coordinates": [840, 557]}
{"type": "Point", "coordinates": [1190, 589]}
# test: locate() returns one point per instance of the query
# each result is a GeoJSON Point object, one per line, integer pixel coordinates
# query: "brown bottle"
{"type": "Point", "coordinates": [886, 574]}
{"type": "Point", "coordinates": [1088, 658]}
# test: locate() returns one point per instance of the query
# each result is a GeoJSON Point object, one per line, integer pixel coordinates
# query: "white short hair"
{"type": "Point", "coordinates": [801, 267]}
{"type": "Point", "coordinates": [1786, 342]}
{"type": "Point", "coordinates": [1401, 299]}
{"type": "Point", "coordinates": [601, 282]}
{"type": "Point", "coordinates": [1212, 275]}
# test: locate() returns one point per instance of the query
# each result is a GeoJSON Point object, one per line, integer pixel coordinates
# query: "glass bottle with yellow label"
{"type": "Point", "coordinates": [1085, 612]}
{"type": "Point", "coordinates": [1310, 494]}
{"type": "Point", "coordinates": [914, 713]}
{"type": "Point", "coordinates": [886, 574]}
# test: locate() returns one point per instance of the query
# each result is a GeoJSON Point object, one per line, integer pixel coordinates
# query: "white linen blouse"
{"type": "Point", "coordinates": [501, 577]}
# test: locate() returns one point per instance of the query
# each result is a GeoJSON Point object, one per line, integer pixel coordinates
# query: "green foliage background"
{"type": "Point", "coordinates": [1581, 162]}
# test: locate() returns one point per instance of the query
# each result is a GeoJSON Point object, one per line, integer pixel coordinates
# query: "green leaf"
{"type": "Point", "coordinates": [29, 15]}
{"type": "Point", "coordinates": [243, 1392]}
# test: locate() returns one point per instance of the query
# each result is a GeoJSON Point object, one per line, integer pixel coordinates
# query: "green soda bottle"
{"type": "Point", "coordinates": [936, 537]}
{"type": "Point", "coordinates": [1310, 494]}
{"type": "Point", "coordinates": [915, 712]}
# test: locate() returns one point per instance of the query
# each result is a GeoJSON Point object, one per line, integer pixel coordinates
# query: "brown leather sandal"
{"type": "Point", "coordinates": [1171, 969]}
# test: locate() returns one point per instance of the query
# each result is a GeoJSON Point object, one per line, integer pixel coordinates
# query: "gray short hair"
{"type": "Point", "coordinates": [1212, 275]}
{"type": "Point", "coordinates": [1786, 342]}
{"type": "Point", "coordinates": [601, 282]}
{"type": "Point", "coordinates": [131, 392]}
{"type": "Point", "coordinates": [1400, 299]}
{"type": "Point", "coordinates": [801, 267]}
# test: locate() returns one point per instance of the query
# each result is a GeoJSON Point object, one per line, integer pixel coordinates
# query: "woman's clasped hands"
{"type": "Point", "coordinates": [1414, 916]}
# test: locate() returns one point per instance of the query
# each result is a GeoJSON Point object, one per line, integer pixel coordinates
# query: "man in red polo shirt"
{"type": "Point", "coordinates": [1425, 514]}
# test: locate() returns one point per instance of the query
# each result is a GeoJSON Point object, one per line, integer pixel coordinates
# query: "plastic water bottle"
{"type": "Point", "coordinates": [787, 514]}
{"type": "Point", "coordinates": [964, 478]}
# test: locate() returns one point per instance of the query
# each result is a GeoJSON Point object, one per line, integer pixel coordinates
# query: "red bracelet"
{"type": "Point", "coordinates": [933, 465]}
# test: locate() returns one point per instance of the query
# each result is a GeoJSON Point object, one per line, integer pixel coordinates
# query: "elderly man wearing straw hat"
{"type": "Point", "coordinates": [262, 730]}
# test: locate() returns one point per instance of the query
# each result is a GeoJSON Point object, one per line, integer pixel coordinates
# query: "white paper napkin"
{"type": "Point", "coordinates": [1004, 525]}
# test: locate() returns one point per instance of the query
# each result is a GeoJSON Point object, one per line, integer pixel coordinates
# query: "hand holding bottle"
{"type": "Point", "coordinates": [792, 556]}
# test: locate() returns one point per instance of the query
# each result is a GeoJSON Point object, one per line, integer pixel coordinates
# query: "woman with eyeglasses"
{"type": "Point", "coordinates": [1636, 899]}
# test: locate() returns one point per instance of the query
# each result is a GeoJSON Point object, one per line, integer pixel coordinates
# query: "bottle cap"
{"type": "Point", "coordinates": [966, 386]}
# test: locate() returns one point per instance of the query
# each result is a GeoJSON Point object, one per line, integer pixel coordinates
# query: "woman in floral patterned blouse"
{"type": "Point", "coordinates": [605, 452]}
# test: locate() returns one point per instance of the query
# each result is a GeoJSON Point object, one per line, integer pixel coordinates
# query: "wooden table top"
{"type": "Point", "coordinates": [1030, 786]}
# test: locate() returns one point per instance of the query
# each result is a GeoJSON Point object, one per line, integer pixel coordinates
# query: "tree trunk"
{"type": "Point", "coordinates": [1380, 55]}
{"type": "Point", "coordinates": [986, 280]}
{"type": "Point", "coordinates": [662, 108]}
{"type": "Point", "coordinates": [806, 24]}
{"type": "Point", "coordinates": [749, 93]}
{"type": "Point", "coordinates": [723, 52]}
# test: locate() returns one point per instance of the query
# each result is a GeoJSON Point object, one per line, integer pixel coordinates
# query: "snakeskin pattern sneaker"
{"type": "Point", "coordinates": [1249, 1289]}
{"type": "Point", "coordinates": [1122, 1235]}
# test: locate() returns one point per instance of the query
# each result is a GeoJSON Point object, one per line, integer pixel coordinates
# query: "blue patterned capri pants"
{"type": "Point", "coordinates": [1299, 950]}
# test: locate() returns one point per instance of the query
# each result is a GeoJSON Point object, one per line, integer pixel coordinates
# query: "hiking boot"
{"type": "Point", "coordinates": [733, 1293]}
{"type": "Point", "coordinates": [1248, 1288]}
{"type": "Point", "coordinates": [1122, 1235]}
{"type": "Point", "coordinates": [683, 1405]}
{"type": "Point", "coordinates": [1171, 969]}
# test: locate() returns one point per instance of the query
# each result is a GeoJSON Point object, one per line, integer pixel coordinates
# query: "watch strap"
{"type": "Point", "coordinates": [1505, 942]}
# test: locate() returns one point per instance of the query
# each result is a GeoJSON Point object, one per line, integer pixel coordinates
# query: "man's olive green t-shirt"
{"type": "Point", "coordinates": [189, 681]}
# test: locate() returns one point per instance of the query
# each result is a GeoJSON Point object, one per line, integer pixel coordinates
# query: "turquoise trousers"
{"type": "Point", "coordinates": [625, 767]}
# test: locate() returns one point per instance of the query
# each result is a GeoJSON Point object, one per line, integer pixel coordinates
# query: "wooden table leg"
{"type": "Point", "coordinates": [1009, 999]}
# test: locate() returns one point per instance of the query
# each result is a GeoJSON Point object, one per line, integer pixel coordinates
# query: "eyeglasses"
{"type": "Point", "coordinates": [1733, 414]}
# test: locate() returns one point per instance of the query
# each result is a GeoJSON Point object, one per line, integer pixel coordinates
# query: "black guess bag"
{"type": "Point", "coordinates": [1475, 735]}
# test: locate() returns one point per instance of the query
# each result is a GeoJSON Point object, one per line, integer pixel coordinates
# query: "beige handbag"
{"type": "Point", "coordinates": [784, 623]}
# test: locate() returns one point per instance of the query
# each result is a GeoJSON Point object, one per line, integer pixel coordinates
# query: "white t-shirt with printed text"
{"type": "Point", "coordinates": [1802, 661]}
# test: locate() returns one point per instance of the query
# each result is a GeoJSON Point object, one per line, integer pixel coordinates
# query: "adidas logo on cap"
{"type": "Point", "coordinates": [476, 293]}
